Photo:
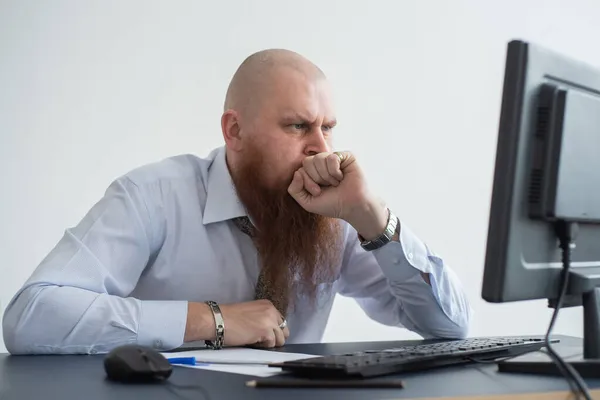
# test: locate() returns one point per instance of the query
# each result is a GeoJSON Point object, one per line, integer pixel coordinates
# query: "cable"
{"type": "Point", "coordinates": [572, 383]}
{"type": "Point", "coordinates": [565, 231]}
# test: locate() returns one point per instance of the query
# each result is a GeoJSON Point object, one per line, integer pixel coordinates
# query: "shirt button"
{"type": "Point", "coordinates": [409, 256]}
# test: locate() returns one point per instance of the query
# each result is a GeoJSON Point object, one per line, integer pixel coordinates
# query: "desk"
{"type": "Point", "coordinates": [83, 377]}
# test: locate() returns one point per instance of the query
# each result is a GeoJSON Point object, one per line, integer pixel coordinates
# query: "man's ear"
{"type": "Point", "coordinates": [230, 126]}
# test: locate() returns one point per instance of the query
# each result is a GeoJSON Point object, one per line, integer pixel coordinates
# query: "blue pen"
{"type": "Point", "coordinates": [193, 361]}
{"type": "Point", "coordinates": [185, 361]}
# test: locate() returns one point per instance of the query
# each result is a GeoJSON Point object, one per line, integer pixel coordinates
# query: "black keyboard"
{"type": "Point", "coordinates": [411, 358]}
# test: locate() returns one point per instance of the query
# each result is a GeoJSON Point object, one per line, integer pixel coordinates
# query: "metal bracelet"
{"type": "Point", "coordinates": [219, 341]}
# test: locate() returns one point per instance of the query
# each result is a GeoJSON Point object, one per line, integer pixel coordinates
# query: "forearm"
{"type": "Point", "coordinates": [370, 221]}
{"type": "Point", "coordinates": [428, 311]}
{"type": "Point", "coordinates": [48, 319]}
{"type": "Point", "coordinates": [374, 222]}
{"type": "Point", "coordinates": [431, 295]}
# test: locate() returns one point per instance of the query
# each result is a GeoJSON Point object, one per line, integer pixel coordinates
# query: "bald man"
{"type": "Point", "coordinates": [245, 247]}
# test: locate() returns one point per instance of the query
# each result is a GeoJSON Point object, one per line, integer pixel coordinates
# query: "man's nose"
{"type": "Point", "coordinates": [317, 143]}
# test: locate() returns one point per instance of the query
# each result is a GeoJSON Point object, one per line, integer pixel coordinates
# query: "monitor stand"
{"type": "Point", "coordinates": [587, 364]}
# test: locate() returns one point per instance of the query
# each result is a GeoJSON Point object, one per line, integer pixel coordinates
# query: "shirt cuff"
{"type": "Point", "coordinates": [404, 259]}
{"type": "Point", "coordinates": [162, 324]}
{"type": "Point", "coordinates": [407, 259]}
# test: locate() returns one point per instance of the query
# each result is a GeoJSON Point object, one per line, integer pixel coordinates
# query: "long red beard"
{"type": "Point", "coordinates": [297, 249]}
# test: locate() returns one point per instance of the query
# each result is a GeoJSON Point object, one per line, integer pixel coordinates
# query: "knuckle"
{"type": "Point", "coordinates": [270, 339]}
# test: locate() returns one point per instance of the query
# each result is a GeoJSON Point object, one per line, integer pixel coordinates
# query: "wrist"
{"type": "Point", "coordinates": [369, 219]}
{"type": "Point", "coordinates": [200, 323]}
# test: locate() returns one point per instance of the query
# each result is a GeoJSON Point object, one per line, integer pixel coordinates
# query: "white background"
{"type": "Point", "coordinates": [91, 89]}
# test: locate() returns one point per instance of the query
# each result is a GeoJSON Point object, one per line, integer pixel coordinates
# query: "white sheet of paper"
{"type": "Point", "coordinates": [236, 359]}
{"type": "Point", "coordinates": [254, 370]}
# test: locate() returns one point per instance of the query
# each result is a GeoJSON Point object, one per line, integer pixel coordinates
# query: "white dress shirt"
{"type": "Point", "coordinates": [162, 235]}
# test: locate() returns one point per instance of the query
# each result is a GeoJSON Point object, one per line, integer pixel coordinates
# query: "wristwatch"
{"type": "Point", "coordinates": [219, 341]}
{"type": "Point", "coordinates": [390, 230]}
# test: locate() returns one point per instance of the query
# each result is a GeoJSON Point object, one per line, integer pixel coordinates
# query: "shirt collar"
{"type": "Point", "coordinates": [222, 202]}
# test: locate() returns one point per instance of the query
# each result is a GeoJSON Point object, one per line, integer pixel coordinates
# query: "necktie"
{"type": "Point", "coordinates": [262, 290]}
{"type": "Point", "coordinates": [245, 225]}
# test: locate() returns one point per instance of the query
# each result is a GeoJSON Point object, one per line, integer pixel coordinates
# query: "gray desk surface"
{"type": "Point", "coordinates": [83, 377]}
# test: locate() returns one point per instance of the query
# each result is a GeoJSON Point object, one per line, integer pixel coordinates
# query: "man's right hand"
{"type": "Point", "coordinates": [250, 323]}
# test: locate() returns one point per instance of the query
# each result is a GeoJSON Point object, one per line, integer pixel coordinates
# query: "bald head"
{"type": "Point", "coordinates": [261, 72]}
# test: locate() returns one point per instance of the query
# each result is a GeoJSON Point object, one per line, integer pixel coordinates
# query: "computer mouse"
{"type": "Point", "coordinates": [135, 363]}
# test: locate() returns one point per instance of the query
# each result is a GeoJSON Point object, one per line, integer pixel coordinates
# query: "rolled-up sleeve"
{"type": "Point", "coordinates": [388, 284]}
{"type": "Point", "coordinates": [76, 301]}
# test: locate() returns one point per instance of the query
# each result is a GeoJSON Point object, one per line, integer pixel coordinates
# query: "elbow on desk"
{"type": "Point", "coordinates": [11, 337]}
{"type": "Point", "coordinates": [451, 329]}
{"type": "Point", "coordinates": [459, 328]}
{"type": "Point", "coordinates": [446, 333]}
{"type": "Point", "coordinates": [457, 324]}
{"type": "Point", "coordinates": [23, 325]}
{"type": "Point", "coordinates": [458, 332]}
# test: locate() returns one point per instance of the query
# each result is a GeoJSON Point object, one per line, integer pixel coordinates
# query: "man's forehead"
{"type": "Point", "coordinates": [309, 101]}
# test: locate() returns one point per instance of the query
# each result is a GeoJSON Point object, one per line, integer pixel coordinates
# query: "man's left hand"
{"type": "Point", "coordinates": [333, 185]}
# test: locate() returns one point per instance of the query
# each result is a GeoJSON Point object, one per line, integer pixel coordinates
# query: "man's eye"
{"type": "Point", "coordinates": [298, 126]}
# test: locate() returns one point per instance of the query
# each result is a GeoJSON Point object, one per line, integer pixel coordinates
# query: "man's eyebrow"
{"type": "Point", "coordinates": [294, 116]}
{"type": "Point", "coordinates": [302, 118]}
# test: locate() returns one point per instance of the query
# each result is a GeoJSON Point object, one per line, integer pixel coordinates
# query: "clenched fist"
{"type": "Point", "coordinates": [334, 185]}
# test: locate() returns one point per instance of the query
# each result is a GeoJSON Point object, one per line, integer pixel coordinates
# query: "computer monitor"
{"type": "Point", "coordinates": [547, 170]}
